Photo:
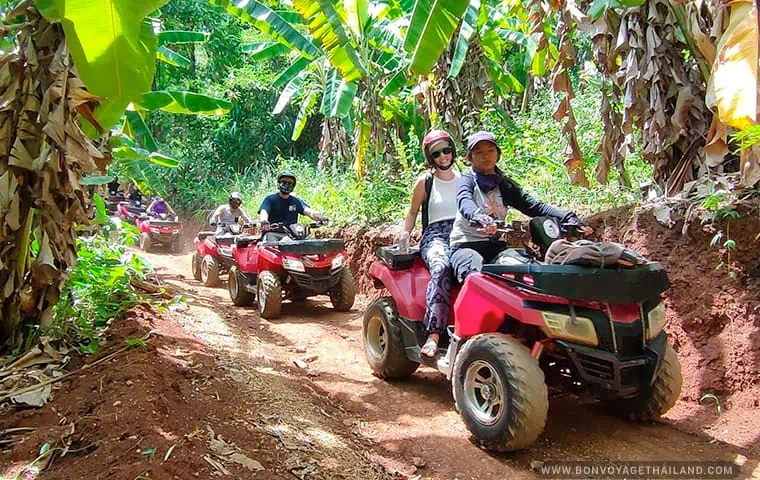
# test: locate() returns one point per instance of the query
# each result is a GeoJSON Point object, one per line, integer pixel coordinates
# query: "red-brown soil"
{"type": "Point", "coordinates": [218, 366]}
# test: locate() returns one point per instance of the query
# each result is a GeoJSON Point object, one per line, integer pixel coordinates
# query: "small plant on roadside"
{"type": "Point", "coordinates": [720, 210]}
{"type": "Point", "coordinates": [713, 397]}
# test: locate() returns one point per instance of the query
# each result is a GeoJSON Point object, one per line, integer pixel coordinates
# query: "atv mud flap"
{"type": "Point", "coordinates": [624, 378]}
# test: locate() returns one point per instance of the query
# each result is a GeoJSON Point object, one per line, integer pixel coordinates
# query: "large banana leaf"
{"type": "Point", "coordinates": [733, 86]}
{"type": "Point", "coordinates": [303, 114]}
{"type": "Point", "coordinates": [357, 12]}
{"type": "Point", "coordinates": [182, 102]}
{"type": "Point", "coordinates": [287, 93]}
{"type": "Point", "coordinates": [113, 48]}
{"type": "Point", "coordinates": [181, 36]}
{"type": "Point", "coordinates": [289, 73]}
{"type": "Point", "coordinates": [430, 30]}
{"type": "Point", "coordinates": [139, 130]}
{"type": "Point", "coordinates": [338, 96]}
{"type": "Point", "coordinates": [268, 21]}
{"type": "Point", "coordinates": [167, 55]}
{"type": "Point", "coordinates": [327, 27]}
{"type": "Point", "coordinates": [503, 79]}
{"type": "Point", "coordinates": [262, 51]}
{"type": "Point", "coordinates": [469, 25]}
{"type": "Point", "coordinates": [395, 83]}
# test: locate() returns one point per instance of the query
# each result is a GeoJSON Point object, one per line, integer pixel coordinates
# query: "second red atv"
{"type": "Point", "coordinates": [520, 324]}
{"type": "Point", "coordinates": [213, 254]}
{"type": "Point", "coordinates": [159, 230]}
{"type": "Point", "coordinates": [285, 264]}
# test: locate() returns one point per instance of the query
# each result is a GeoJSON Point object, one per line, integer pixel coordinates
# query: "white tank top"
{"type": "Point", "coordinates": [442, 204]}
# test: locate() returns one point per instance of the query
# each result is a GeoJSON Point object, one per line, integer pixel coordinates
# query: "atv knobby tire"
{"type": "Point", "coordinates": [236, 283]}
{"type": "Point", "coordinates": [343, 294]}
{"type": "Point", "coordinates": [657, 399]}
{"type": "Point", "coordinates": [195, 266]}
{"type": "Point", "coordinates": [145, 242]}
{"type": "Point", "coordinates": [209, 271]}
{"type": "Point", "coordinates": [176, 245]}
{"type": "Point", "coordinates": [493, 368]}
{"type": "Point", "coordinates": [269, 292]}
{"type": "Point", "coordinates": [383, 344]}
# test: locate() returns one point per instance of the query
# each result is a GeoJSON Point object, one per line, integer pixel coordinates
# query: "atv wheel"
{"type": "Point", "coordinates": [342, 295]}
{"type": "Point", "coordinates": [145, 243]}
{"type": "Point", "coordinates": [500, 392]}
{"type": "Point", "coordinates": [383, 345]}
{"type": "Point", "coordinates": [176, 246]}
{"type": "Point", "coordinates": [236, 283]}
{"type": "Point", "coordinates": [657, 399]}
{"type": "Point", "coordinates": [209, 271]}
{"type": "Point", "coordinates": [195, 266]}
{"type": "Point", "coordinates": [269, 292]}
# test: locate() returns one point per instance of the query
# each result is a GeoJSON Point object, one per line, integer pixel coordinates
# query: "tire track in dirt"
{"type": "Point", "coordinates": [414, 421]}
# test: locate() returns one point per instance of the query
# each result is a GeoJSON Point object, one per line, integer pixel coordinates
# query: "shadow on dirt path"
{"type": "Point", "coordinates": [411, 422]}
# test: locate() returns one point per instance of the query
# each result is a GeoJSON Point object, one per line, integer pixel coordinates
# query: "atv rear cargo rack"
{"type": "Point", "coordinates": [607, 285]}
{"type": "Point", "coordinates": [395, 260]}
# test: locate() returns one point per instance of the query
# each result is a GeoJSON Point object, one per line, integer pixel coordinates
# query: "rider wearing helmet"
{"type": "Point", "coordinates": [282, 207]}
{"type": "Point", "coordinates": [160, 206]}
{"type": "Point", "coordinates": [435, 192]}
{"type": "Point", "coordinates": [229, 213]}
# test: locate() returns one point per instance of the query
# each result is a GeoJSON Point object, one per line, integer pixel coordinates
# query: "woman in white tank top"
{"type": "Point", "coordinates": [435, 192]}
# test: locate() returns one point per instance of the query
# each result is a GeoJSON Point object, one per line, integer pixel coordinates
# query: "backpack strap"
{"type": "Point", "coordinates": [428, 189]}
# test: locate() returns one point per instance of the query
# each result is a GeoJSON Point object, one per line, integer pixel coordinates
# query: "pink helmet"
{"type": "Point", "coordinates": [435, 136]}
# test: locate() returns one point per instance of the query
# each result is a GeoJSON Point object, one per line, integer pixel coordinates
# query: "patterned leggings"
{"type": "Point", "coordinates": [435, 252]}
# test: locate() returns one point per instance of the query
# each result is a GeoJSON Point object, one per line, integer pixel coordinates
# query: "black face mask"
{"type": "Point", "coordinates": [285, 187]}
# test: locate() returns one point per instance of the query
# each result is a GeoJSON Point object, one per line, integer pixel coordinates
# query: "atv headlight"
{"type": "Point", "coordinates": [294, 265]}
{"type": "Point", "coordinates": [580, 330]}
{"type": "Point", "coordinates": [337, 262]}
{"type": "Point", "coordinates": [655, 321]}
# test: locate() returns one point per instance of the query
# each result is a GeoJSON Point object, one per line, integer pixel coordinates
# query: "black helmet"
{"type": "Point", "coordinates": [284, 188]}
{"type": "Point", "coordinates": [235, 198]}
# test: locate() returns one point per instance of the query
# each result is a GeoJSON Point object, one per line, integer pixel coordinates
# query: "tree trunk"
{"type": "Point", "coordinates": [43, 156]}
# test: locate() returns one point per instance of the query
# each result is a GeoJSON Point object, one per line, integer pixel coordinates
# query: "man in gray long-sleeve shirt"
{"type": "Point", "coordinates": [483, 195]}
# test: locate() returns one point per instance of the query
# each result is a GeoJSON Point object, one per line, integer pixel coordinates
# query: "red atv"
{"type": "Point", "coordinates": [112, 203]}
{"type": "Point", "coordinates": [129, 212]}
{"type": "Point", "coordinates": [285, 264]}
{"type": "Point", "coordinates": [520, 324]}
{"type": "Point", "coordinates": [159, 230]}
{"type": "Point", "coordinates": [213, 254]}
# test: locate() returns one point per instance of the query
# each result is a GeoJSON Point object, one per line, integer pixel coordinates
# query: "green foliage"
{"type": "Point", "coordinates": [532, 145]}
{"type": "Point", "coordinates": [97, 291]}
{"type": "Point", "coordinates": [720, 208]}
{"type": "Point", "coordinates": [115, 54]}
{"type": "Point", "coordinates": [432, 24]}
{"type": "Point", "coordinates": [748, 137]}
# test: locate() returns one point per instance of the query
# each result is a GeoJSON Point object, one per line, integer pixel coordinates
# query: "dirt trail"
{"type": "Point", "coordinates": [402, 423]}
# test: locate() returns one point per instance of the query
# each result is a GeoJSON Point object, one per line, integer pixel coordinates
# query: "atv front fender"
{"type": "Point", "coordinates": [407, 287]}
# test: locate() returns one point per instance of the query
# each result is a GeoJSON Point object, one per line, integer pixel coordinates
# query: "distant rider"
{"type": "Point", "coordinates": [282, 207]}
{"type": "Point", "coordinates": [229, 214]}
{"type": "Point", "coordinates": [159, 206]}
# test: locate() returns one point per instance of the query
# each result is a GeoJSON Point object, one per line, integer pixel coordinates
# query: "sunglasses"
{"type": "Point", "coordinates": [443, 151]}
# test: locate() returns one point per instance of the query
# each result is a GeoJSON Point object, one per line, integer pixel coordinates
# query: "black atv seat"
{"type": "Point", "coordinates": [132, 209]}
{"type": "Point", "coordinates": [609, 285]}
{"type": "Point", "coordinates": [245, 241]}
{"type": "Point", "coordinates": [202, 235]}
{"type": "Point", "coordinates": [307, 247]}
{"type": "Point", "coordinates": [395, 260]}
{"type": "Point", "coordinates": [225, 240]}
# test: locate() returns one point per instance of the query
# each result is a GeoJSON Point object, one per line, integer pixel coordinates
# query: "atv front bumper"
{"type": "Point", "coordinates": [319, 281]}
{"type": "Point", "coordinates": [622, 377]}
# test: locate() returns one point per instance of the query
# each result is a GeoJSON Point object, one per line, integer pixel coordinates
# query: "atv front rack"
{"type": "Point", "coordinates": [307, 247]}
{"type": "Point", "coordinates": [607, 285]}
